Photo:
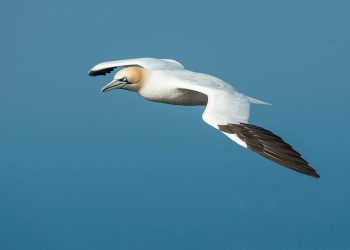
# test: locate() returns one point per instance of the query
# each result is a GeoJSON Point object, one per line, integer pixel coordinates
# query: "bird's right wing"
{"type": "Point", "coordinates": [148, 63]}
{"type": "Point", "coordinates": [228, 111]}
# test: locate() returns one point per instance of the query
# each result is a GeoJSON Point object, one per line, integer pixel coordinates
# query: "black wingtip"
{"type": "Point", "coordinates": [270, 146]}
{"type": "Point", "coordinates": [101, 71]}
{"type": "Point", "coordinates": [316, 175]}
{"type": "Point", "coordinates": [91, 73]}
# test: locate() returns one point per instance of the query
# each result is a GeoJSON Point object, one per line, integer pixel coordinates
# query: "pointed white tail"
{"type": "Point", "coordinates": [256, 101]}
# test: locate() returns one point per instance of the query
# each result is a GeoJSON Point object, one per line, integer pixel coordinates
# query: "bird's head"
{"type": "Point", "coordinates": [129, 78]}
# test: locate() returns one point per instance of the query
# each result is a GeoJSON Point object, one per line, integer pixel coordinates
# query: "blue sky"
{"type": "Point", "coordinates": [85, 170]}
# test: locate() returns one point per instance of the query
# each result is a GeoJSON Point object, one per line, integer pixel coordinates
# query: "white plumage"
{"type": "Point", "coordinates": [167, 81]}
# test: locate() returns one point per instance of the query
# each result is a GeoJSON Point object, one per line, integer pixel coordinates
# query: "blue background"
{"type": "Point", "coordinates": [85, 170]}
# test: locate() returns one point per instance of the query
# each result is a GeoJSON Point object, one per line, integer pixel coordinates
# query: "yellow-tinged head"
{"type": "Point", "coordinates": [129, 78]}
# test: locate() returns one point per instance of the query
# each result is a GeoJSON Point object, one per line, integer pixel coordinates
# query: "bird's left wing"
{"type": "Point", "coordinates": [228, 111]}
{"type": "Point", "coordinates": [225, 104]}
{"type": "Point", "coordinates": [148, 63]}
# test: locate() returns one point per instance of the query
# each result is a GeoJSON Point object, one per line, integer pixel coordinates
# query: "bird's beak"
{"type": "Point", "coordinates": [115, 84]}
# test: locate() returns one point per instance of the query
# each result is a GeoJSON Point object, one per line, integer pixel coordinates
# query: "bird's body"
{"type": "Point", "coordinates": [166, 81]}
{"type": "Point", "coordinates": [168, 85]}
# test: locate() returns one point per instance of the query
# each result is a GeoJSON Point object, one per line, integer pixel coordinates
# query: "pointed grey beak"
{"type": "Point", "coordinates": [115, 84]}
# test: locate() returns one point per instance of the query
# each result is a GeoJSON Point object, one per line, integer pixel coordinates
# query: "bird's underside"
{"type": "Point", "coordinates": [228, 110]}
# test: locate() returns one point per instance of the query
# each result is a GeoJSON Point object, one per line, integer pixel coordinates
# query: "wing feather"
{"type": "Point", "coordinates": [228, 110]}
{"type": "Point", "coordinates": [149, 63]}
{"type": "Point", "coordinates": [270, 146]}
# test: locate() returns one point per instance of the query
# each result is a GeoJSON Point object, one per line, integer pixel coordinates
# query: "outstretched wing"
{"type": "Point", "coordinates": [228, 111]}
{"type": "Point", "coordinates": [270, 146]}
{"type": "Point", "coordinates": [148, 63]}
{"type": "Point", "coordinates": [225, 104]}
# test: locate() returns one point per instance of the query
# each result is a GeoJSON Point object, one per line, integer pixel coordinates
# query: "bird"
{"type": "Point", "coordinates": [227, 109]}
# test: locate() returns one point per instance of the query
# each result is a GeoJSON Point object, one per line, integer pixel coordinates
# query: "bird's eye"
{"type": "Point", "coordinates": [124, 79]}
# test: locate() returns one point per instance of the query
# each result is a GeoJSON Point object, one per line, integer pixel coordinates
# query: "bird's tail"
{"type": "Point", "coordinates": [256, 101]}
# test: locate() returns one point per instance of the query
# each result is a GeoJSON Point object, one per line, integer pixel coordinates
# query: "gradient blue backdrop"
{"type": "Point", "coordinates": [85, 170]}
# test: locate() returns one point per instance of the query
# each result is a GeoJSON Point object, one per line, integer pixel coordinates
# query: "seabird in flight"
{"type": "Point", "coordinates": [167, 81]}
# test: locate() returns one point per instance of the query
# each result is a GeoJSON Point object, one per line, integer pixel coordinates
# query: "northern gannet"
{"type": "Point", "coordinates": [167, 81]}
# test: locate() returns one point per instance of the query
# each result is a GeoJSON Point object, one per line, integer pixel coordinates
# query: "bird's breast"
{"type": "Point", "coordinates": [175, 96]}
